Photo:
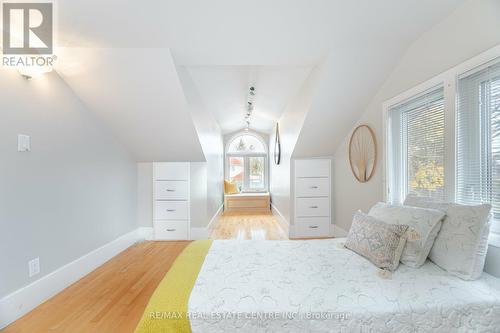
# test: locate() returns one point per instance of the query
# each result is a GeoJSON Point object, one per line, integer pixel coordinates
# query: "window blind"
{"type": "Point", "coordinates": [420, 147]}
{"type": "Point", "coordinates": [478, 139]}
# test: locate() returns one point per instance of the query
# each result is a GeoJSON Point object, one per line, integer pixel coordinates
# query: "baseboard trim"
{"type": "Point", "coordinates": [215, 217]}
{"type": "Point", "coordinates": [283, 220]}
{"type": "Point", "coordinates": [146, 233]}
{"type": "Point", "coordinates": [20, 302]}
{"type": "Point", "coordinates": [204, 232]}
{"type": "Point", "coordinates": [338, 231]}
{"type": "Point", "coordinates": [285, 224]}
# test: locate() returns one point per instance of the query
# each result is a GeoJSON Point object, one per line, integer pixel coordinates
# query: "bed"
{"type": "Point", "coordinates": [312, 285]}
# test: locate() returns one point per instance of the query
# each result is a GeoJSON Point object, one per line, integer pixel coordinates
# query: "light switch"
{"type": "Point", "coordinates": [23, 142]}
{"type": "Point", "coordinates": [34, 266]}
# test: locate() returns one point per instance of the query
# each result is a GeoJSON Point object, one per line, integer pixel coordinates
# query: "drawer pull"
{"type": "Point", "coordinates": [170, 210]}
{"type": "Point", "coordinates": [169, 190]}
{"type": "Point", "coordinates": [313, 227]}
{"type": "Point", "coordinates": [313, 206]}
{"type": "Point", "coordinates": [314, 187]}
{"type": "Point", "coordinates": [171, 229]}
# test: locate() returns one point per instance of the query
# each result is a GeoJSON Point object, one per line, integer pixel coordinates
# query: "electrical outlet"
{"type": "Point", "coordinates": [34, 266]}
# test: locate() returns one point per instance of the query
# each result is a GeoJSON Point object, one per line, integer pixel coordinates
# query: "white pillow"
{"type": "Point", "coordinates": [426, 222]}
{"type": "Point", "coordinates": [461, 245]}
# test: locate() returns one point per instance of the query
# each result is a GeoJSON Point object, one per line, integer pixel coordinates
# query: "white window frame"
{"type": "Point", "coordinates": [246, 156]}
{"type": "Point", "coordinates": [401, 181]}
{"type": "Point", "coordinates": [448, 80]}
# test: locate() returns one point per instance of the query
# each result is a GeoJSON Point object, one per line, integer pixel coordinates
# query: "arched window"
{"type": "Point", "coordinates": [246, 162]}
{"type": "Point", "coordinates": [246, 143]}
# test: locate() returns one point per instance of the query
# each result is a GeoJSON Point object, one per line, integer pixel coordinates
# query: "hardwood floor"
{"type": "Point", "coordinates": [113, 297]}
{"type": "Point", "coordinates": [110, 299]}
{"type": "Point", "coordinates": [247, 226]}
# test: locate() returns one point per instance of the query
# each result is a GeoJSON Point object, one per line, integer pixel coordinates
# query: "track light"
{"type": "Point", "coordinates": [250, 106]}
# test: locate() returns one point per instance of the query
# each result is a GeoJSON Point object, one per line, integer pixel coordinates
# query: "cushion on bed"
{"type": "Point", "coordinates": [379, 242]}
{"type": "Point", "coordinates": [425, 222]}
{"type": "Point", "coordinates": [461, 244]}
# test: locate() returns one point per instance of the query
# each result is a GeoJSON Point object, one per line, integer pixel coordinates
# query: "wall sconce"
{"type": "Point", "coordinates": [33, 71]}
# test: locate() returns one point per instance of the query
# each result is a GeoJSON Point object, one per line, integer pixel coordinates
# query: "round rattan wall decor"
{"type": "Point", "coordinates": [363, 153]}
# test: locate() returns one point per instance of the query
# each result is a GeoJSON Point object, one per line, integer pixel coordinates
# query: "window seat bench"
{"type": "Point", "coordinates": [247, 202]}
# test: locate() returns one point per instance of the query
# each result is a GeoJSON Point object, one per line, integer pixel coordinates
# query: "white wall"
{"type": "Point", "coordinates": [210, 137]}
{"type": "Point", "coordinates": [141, 103]}
{"type": "Point", "coordinates": [145, 194]}
{"type": "Point", "coordinates": [471, 29]}
{"type": "Point", "coordinates": [74, 192]}
{"type": "Point", "coordinates": [290, 125]}
{"type": "Point", "coordinates": [199, 195]}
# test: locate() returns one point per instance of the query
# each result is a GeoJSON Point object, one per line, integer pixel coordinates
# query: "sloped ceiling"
{"type": "Point", "coordinates": [354, 43]}
{"type": "Point", "coordinates": [340, 98]}
{"type": "Point", "coordinates": [224, 91]}
{"type": "Point", "coordinates": [143, 105]}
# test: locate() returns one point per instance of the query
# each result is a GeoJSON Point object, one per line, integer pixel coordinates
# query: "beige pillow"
{"type": "Point", "coordinates": [379, 242]}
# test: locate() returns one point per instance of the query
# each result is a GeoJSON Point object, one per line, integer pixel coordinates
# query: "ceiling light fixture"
{"type": "Point", "coordinates": [250, 106]}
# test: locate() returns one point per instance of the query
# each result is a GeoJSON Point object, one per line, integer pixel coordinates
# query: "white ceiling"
{"type": "Point", "coordinates": [220, 42]}
{"type": "Point", "coordinates": [224, 91]}
{"type": "Point", "coordinates": [236, 32]}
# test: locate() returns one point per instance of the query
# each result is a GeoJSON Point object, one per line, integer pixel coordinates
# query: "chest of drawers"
{"type": "Point", "coordinates": [312, 198]}
{"type": "Point", "coordinates": [171, 206]}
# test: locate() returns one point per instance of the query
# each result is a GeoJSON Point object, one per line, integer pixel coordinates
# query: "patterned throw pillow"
{"type": "Point", "coordinates": [461, 245]}
{"type": "Point", "coordinates": [425, 222]}
{"type": "Point", "coordinates": [379, 242]}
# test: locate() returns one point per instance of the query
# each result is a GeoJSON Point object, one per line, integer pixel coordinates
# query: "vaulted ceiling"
{"type": "Point", "coordinates": [224, 91]}
{"type": "Point", "coordinates": [224, 45]}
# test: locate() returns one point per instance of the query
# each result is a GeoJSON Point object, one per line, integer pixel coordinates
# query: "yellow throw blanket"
{"type": "Point", "coordinates": [167, 308]}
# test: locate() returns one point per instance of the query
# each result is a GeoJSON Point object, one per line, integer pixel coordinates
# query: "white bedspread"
{"type": "Point", "coordinates": [276, 286]}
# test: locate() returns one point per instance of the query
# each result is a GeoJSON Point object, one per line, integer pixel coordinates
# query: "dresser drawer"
{"type": "Point", "coordinates": [171, 171]}
{"type": "Point", "coordinates": [312, 207]}
{"type": "Point", "coordinates": [171, 190]}
{"type": "Point", "coordinates": [312, 168]}
{"type": "Point", "coordinates": [312, 226]}
{"type": "Point", "coordinates": [171, 210]}
{"type": "Point", "coordinates": [312, 187]}
{"type": "Point", "coordinates": [170, 230]}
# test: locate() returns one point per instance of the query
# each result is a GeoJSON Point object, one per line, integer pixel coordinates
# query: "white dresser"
{"type": "Point", "coordinates": [312, 198]}
{"type": "Point", "coordinates": [171, 212]}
